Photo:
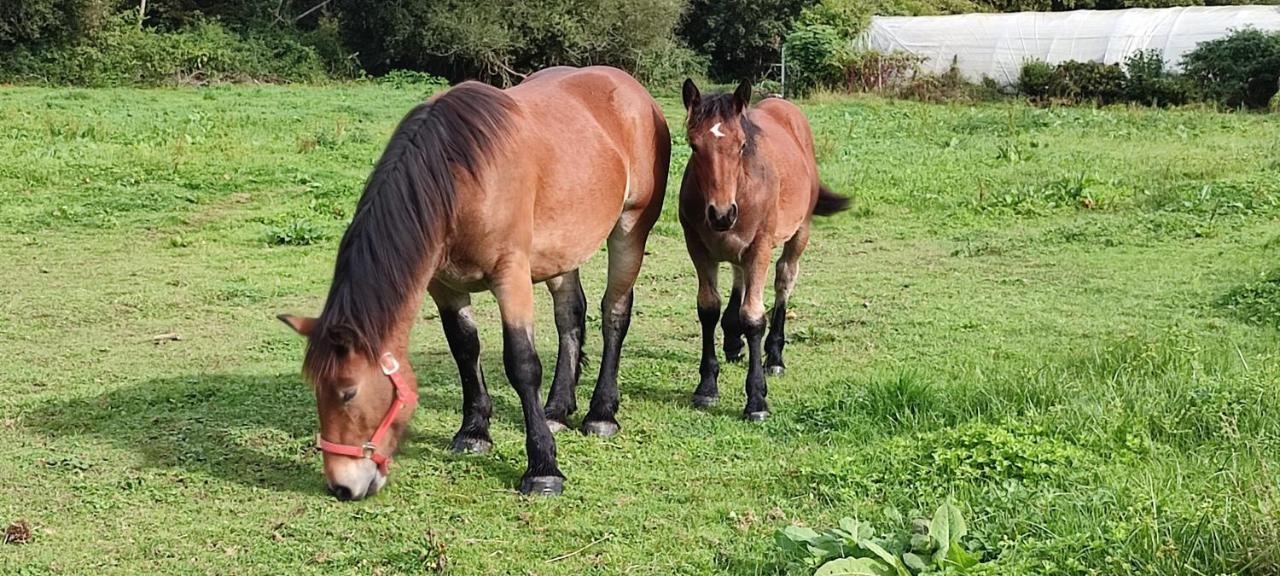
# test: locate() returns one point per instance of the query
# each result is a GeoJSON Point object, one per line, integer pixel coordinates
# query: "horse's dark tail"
{"type": "Point", "coordinates": [829, 202]}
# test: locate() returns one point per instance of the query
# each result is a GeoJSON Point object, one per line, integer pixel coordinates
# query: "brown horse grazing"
{"type": "Point", "coordinates": [751, 184]}
{"type": "Point", "coordinates": [485, 189]}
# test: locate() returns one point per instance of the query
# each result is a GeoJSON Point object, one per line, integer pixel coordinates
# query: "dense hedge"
{"type": "Point", "coordinates": [742, 38]}
{"type": "Point", "coordinates": [660, 41]}
{"type": "Point", "coordinates": [28, 22]}
{"type": "Point", "coordinates": [1240, 70]}
{"type": "Point", "coordinates": [121, 53]}
{"type": "Point", "coordinates": [498, 39]}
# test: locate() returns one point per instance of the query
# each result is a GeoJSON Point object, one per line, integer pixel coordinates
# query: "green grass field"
{"type": "Point", "coordinates": [1066, 319]}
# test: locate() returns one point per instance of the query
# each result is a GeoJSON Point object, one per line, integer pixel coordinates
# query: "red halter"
{"type": "Point", "coordinates": [404, 395]}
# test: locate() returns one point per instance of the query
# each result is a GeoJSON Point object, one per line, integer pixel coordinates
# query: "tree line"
{"type": "Point", "coordinates": [154, 41]}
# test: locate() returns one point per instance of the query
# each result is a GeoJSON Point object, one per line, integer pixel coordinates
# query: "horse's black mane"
{"type": "Point", "coordinates": [721, 108]}
{"type": "Point", "coordinates": [403, 216]}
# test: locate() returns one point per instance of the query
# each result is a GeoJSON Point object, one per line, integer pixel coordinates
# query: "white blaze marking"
{"type": "Point", "coordinates": [715, 131]}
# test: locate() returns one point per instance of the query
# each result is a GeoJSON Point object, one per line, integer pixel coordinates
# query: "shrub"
{"type": "Point", "coordinates": [816, 58]}
{"type": "Point", "coordinates": [1036, 79]}
{"type": "Point", "coordinates": [1149, 81]}
{"type": "Point", "coordinates": [667, 64]}
{"type": "Point", "coordinates": [1073, 82]}
{"type": "Point", "coordinates": [873, 71]}
{"type": "Point", "coordinates": [1088, 81]}
{"type": "Point", "coordinates": [326, 40]}
{"type": "Point", "coordinates": [1241, 69]}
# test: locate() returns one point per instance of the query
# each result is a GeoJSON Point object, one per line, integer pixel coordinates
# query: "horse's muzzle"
{"type": "Point", "coordinates": [722, 220]}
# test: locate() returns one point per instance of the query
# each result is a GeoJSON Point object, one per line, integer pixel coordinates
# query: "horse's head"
{"type": "Point", "coordinates": [720, 136]}
{"type": "Point", "coordinates": [365, 400]}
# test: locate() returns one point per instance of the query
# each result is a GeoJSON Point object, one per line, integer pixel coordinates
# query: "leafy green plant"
{"type": "Point", "coordinates": [1256, 302]}
{"type": "Point", "coordinates": [295, 233]}
{"type": "Point", "coordinates": [855, 548]}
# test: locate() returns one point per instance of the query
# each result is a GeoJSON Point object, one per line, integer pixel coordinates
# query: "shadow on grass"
{"type": "Point", "coordinates": [250, 429]}
{"type": "Point", "coordinates": [257, 430]}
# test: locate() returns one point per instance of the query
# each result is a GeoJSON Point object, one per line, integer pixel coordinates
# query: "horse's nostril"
{"type": "Point", "coordinates": [341, 492]}
{"type": "Point", "coordinates": [722, 220]}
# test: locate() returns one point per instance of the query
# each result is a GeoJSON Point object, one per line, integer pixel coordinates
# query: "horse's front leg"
{"type": "Point", "coordinates": [755, 271]}
{"type": "Point", "coordinates": [707, 392]}
{"type": "Point", "coordinates": [514, 292]}
{"type": "Point", "coordinates": [464, 343]}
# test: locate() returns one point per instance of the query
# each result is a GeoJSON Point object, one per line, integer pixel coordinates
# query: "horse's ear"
{"type": "Point", "coordinates": [343, 338]}
{"type": "Point", "coordinates": [742, 96]}
{"type": "Point", "coordinates": [300, 324]}
{"type": "Point", "coordinates": [691, 94]}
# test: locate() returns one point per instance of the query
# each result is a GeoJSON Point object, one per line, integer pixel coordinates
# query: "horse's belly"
{"type": "Point", "coordinates": [568, 242]}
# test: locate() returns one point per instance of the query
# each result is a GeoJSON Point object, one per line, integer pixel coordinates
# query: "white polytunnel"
{"type": "Point", "coordinates": [996, 45]}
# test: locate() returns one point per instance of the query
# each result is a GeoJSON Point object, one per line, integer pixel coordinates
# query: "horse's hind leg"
{"type": "Point", "coordinates": [464, 343]}
{"type": "Point", "coordinates": [571, 323]}
{"type": "Point", "coordinates": [784, 280]}
{"type": "Point", "coordinates": [732, 322]}
{"type": "Point", "coordinates": [514, 292]}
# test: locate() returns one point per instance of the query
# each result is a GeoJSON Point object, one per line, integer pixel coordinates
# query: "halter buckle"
{"type": "Point", "coordinates": [368, 448]}
{"type": "Point", "coordinates": [389, 364]}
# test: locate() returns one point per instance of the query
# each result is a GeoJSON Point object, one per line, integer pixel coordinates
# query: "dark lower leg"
{"type": "Point", "coordinates": [709, 369]}
{"type": "Point", "coordinates": [571, 320]}
{"type": "Point", "coordinates": [732, 324]}
{"type": "Point", "coordinates": [777, 338]}
{"type": "Point", "coordinates": [464, 344]}
{"type": "Point", "coordinates": [525, 372]}
{"type": "Point", "coordinates": [787, 269]}
{"type": "Point", "coordinates": [615, 316]}
{"type": "Point", "coordinates": [757, 389]}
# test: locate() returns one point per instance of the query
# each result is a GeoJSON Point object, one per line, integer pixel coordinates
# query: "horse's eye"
{"type": "Point", "coordinates": [348, 394]}
{"type": "Point", "coordinates": [693, 148]}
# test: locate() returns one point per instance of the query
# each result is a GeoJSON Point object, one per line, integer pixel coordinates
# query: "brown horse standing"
{"type": "Point", "coordinates": [484, 189]}
{"type": "Point", "coordinates": [751, 184]}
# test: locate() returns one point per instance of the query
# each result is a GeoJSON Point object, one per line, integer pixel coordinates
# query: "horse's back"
{"type": "Point", "coordinates": [586, 150]}
{"type": "Point", "coordinates": [792, 120]}
{"type": "Point", "coordinates": [608, 96]}
{"type": "Point", "coordinates": [789, 144]}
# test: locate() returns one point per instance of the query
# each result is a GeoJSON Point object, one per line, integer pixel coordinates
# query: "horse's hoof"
{"type": "Point", "coordinates": [733, 356]}
{"type": "Point", "coordinates": [465, 444]}
{"type": "Point", "coordinates": [704, 402]}
{"type": "Point", "coordinates": [601, 428]}
{"type": "Point", "coordinates": [776, 370]}
{"type": "Point", "coordinates": [542, 486]}
{"type": "Point", "coordinates": [556, 426]}
{"type": "Point", "coordinates": [757, 416]}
